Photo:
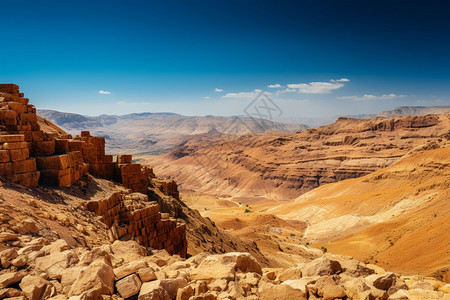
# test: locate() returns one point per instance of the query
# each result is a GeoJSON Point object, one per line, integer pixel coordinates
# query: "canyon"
{"type": "Point", "coordinates": [325, 213]}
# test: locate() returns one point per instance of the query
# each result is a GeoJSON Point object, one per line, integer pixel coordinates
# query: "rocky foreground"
{"type": "Point", "coordinates": [35, 268]}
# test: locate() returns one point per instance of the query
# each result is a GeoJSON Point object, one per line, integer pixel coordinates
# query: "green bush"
{"type": "Point", "coordinates": [247, 210]}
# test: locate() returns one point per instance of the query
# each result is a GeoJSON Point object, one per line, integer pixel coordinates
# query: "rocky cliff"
{"type": "Point", "coordinates": [284, 166]}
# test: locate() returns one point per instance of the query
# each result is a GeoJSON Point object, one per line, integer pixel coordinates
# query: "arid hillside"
{"type": "Point", "coordinates": [397, 217]}
{"type": "Point", "coordinates": [283, 166]}
{"type": "Point", "coordinates": [156, 133]}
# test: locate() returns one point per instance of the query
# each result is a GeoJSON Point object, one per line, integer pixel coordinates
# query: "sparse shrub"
{"type": "Point", "coordinates": [324, 250]}
{"type": "Point", "coordinates": [247, 211]}
{"type": "Point", "coordinates": [292, 234]}
{"type": "Point", "coordinates": [307, 243]}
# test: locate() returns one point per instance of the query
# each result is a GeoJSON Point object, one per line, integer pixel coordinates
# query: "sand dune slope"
{"type": "Point", "coordinates": [397, 217]}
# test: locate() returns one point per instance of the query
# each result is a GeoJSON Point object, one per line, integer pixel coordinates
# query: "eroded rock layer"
{"type": "Point", "coordinates": [284, 166]}
{"type": "Point", "coordinates": [29, 156]}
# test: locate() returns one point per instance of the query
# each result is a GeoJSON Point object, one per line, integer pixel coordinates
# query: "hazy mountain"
{"type": "Point", "coordinates": [159, 132]}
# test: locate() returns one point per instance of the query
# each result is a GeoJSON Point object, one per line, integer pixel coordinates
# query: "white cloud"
{"type": "Point", "coordinates": [367, 97]}
{"type": "Point", "coordinates": [131, 103]}
{"type": "Point", "coordinates": [318, 87]}
{"type": "Point", "coordinates": [102, 92]}
{"type": "Point", "coordinates": [218, 90]}
{"type": "Point", "coordinates": [274, 86]}
{"type": "Point", "coordinates": [340, 80]}
{"type": "Point", "coordinates": [286, 91]}
{"type": "Point", "coordinates": [243, 94]}
{"type": "Point", "coordinates": [206, 97]}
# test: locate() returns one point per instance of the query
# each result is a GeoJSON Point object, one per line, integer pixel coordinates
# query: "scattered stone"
{"type": "Point", "coordinates": [129, 286]}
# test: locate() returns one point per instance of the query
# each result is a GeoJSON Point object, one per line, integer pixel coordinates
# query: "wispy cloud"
{"type": "Point", "coordinates": [274, 86]}
{"type": "Point", "coordinates": [102, 92]}
{"type": "Point", "coordinates": [318, 87]}
{"type": "Point", "coordinates": [218, 90]}
{"type": "Point", "coordinates": [244, 95]}
{"type": "Point", "coordinates": [206, 97]}
{"type": "Point", "coordinates": [368, 97]}
{"type": "Point", "coordinates": [131, 103]}
{"type": "Point", "coordinates": [285, 91]}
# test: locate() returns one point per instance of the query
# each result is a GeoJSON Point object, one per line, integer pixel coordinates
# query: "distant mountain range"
{"type": "Point", "coordinates": [157, 133]}
{"type": "Point", "coordinates": [396, 112]}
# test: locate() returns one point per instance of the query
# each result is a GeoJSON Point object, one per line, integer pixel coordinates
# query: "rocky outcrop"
{"type": "Point", "coordinates": [132, 216]}
{"type": "Point", "coordinates": [30, 156]}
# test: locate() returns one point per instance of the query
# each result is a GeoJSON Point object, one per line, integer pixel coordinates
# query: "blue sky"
{"type": "Point", "coordinates": [213, 57]}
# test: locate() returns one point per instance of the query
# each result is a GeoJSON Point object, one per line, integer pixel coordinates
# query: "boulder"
{"type": "Point", "coordinates": [153, 291]}
{"type": "Point", "coordinates": [269, 291]}
{"type": "Point", "coordinates": [33, 287]}
{"type": "Point", "coordinates": [8, 279]}
{"type": "Point", "coordinates": [128, 250]}
{"type": "Point", "coordinates": [129, 286]}
{"type": "Point", "coordinates": [185, 293]}
{"type": "Point", "coordinates": [28, 226]}
{"type": "Point", "coordinates": [328, 288]}
{"type": "Point", "coordinates": [6, 256]}
{"type": "Point", "coordinates": [382, 282]}
{"type": "Point", "coordinates": [55, 247]}
{"type": "Point", "coordinates": [55, 264]}
{"type": "Point", "coordinates": [147, 274]}
{"type": "Point", "coordinates": [98, 277]}
{"type": "Point", "coordinates": [129, 268]}
{"type": "Point", "coordinates": [225, 266]}
{"type": "Point", "coordinates": [171, 285]}
{"type": "Point", "coordinates": [8, 236]}
{"type": "Point", "coordinates": [298, 284]}
{"type": "Point", "coordinates": [322, 266]}
{"type": "Point", "coordinates": [290, 274]}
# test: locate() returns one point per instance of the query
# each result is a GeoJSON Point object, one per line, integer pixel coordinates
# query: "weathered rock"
{"type": "Point", "coordinates": [382, 282]}
{"type": "Point", "coordinates": [9, 293]}
{"type": "Point", "coordinates": [269, 291]}
{"type": "Point", "coordinates": [7, 236]}
{"type": "Point", "coordinates": [328, 288]}
{"type": "Point", "coordinates": [185, 293]}
{"type": "Point", "coordinates": [8, 279]}
{"type": "Point", "coordinates": [98, 277]}
{"type": "Point", "coordinates": [55, 247]}
{"type": "Point", "coordinates": [322, 266]}
{"type": "Point", "coordinates": [56, 263]}
{"type": "Point", "coordinates": [218, 285]}
{"type": "Point", "coordinates": [129, 286]}
{"type": "Point", "coordinates": [298, 284]}
{"type": "Point", "coordinates": [171, 285]}
{"type": "Point", "coordinates": [290, 274]}
{"type": "Point", "coordinates": [33, 287]}
{"type": "Point", "coordinates": [128, 250]}
{"type": "Point", "coordinates": [28, 226]}
{"type": "Point", "coordinates": [147, 274]}
{"type": "Point", "coordinates": [6, 256]}
{"type": "Point", "coordinates": [225, 266]}
{"type": "Point", "coordinates": [153, 291]}
{"type": "Point", "coordinates": [132, 267]}
{"type": "Point", "coordinates": [103, 253]}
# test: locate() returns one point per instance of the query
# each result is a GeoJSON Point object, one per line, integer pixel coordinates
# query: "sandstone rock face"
{"type": "Point", "coordinates": [225, 266]}
{"type": "Point", "coordinates": [129, 286]}
{"type": "Point", "coordinates": [97, 277]}
{"type": "Point", "coordinates": [287, 165]}
{"type": "Point", "coordinates": [322, 266]}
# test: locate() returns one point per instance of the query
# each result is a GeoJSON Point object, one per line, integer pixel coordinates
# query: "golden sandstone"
{"type": "Point", "coordinates": [30, 156]}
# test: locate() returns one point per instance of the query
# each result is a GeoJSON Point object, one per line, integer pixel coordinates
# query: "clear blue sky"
{"type": "Point", "coordinates": [209, 57]}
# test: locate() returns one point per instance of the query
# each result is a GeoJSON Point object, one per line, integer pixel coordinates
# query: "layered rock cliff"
{"type": "Point", "coordinates": [284, 166]}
